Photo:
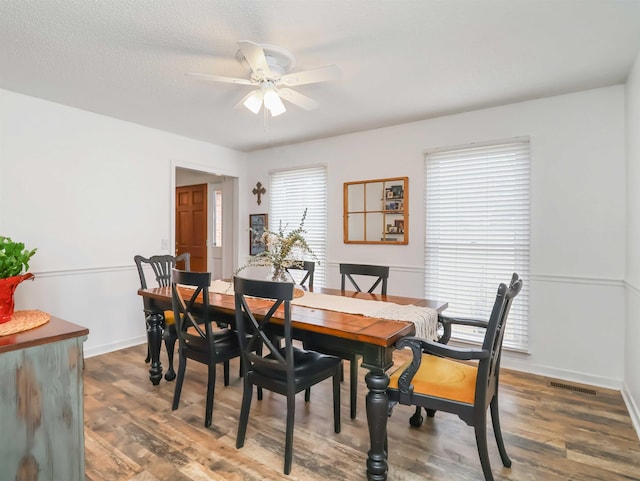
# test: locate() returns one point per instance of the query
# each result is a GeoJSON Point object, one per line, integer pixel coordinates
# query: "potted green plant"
{"type": "Point", "coordinates": [14, 260]}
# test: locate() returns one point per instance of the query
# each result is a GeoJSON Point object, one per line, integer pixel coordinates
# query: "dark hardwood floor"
{"type": "Point", "coordinates": [551, 433]}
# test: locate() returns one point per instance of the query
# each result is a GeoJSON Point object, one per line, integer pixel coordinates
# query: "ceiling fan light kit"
{"type": "Point", "coordinates": [268, 95]}
{"type": "Point", "coordinates": [253, 101]}
{"type": "Point", "coordinates": [273, 103]}
{"type": "Point", "coordinates": [269, 69]}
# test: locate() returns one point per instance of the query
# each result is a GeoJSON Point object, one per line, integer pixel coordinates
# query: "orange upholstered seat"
{"type": "Point", "coordinates": [441, 377]}
{"type": "Point", "coordinates": [168, 318]}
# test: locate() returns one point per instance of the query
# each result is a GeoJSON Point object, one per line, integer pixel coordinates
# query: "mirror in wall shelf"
{"type": "Point", "coordinates": [376, 211]}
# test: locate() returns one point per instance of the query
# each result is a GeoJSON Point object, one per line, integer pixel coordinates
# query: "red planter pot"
{"type": "Point", "coordinates": [7, 289]}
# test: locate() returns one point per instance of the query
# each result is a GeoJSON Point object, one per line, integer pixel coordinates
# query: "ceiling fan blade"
{"type": "Point", "coordinates": [220, 78]}
{"type": "Point", "coordinates": [320, 74]}
{"type": "Point", "coordinates": [298, 99]}
{"type": "Point", "coordinates": [255, 57]}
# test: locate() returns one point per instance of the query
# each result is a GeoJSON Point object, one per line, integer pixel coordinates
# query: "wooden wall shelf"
{"type": "Point", "coordinates": [376, 211]}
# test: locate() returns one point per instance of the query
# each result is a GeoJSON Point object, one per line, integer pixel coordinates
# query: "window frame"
{"type": "Point", "coordinates": [291, 191]}
{"type": "Point", "coordinates": [474, 202]}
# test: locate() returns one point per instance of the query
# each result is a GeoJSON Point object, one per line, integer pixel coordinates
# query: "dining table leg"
{"type": "Point", "coordinates": [377, 411]}
{"type": "Point", "coordinates": [154, 340]}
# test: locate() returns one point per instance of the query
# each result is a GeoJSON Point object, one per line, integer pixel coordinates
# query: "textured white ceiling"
{"type": "Point", "coordinates": [401, 60]}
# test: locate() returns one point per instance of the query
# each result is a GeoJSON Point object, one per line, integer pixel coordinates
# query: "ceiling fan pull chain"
{"type": "Point", "coordinates": [265, 113]}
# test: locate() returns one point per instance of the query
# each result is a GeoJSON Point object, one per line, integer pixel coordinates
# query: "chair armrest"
{"type": "Point", "coordinates": [419, 346]}
{"type": "Point", "coordinates": [463, 321]}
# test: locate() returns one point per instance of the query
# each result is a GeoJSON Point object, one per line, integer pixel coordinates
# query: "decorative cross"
{"type": "Point", "coordinates": [259, 190]}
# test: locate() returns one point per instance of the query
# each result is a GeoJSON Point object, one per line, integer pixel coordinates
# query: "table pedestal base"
{"type": "Point", "coordinates": [377, 410]}
{"type": "Point", "coordinates": [154, 338]}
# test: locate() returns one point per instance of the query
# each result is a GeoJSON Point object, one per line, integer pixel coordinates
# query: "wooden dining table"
{"type": "Point", "coordinates": [370, 337]}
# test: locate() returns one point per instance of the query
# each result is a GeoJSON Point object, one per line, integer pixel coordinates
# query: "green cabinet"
{"type": "Point", "coordinates": [41, 401]}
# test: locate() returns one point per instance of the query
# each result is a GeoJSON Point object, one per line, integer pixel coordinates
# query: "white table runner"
{"type": "Point", "coordinates": [425, 319]}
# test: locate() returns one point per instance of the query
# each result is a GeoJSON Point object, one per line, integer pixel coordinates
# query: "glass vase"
{"type": "Point", "coordinates": [279, 274]}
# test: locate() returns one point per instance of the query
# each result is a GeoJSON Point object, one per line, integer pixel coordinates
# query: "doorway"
{"type": "Point", "coordinates": [192, 224]}
{"type": "Point", "coordinates": [204, 202]}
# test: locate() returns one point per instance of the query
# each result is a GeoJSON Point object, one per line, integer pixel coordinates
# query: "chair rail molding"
{"type": "Point", "coordinates": [631, 288]}
{"type": "Point", "coordinates": [84, 271]}
{"type": "Point", "coordinates": [564, 279]}
{"type": "Point", "coordinates": [596, 281]}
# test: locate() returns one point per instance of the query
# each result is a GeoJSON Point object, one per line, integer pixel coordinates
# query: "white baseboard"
{"type": "Point", "coordinates": [560, 374]}
{"type": "Point", "coordinates": [114, 346]}
{"type": "Point", "coordinates": [633, 409]}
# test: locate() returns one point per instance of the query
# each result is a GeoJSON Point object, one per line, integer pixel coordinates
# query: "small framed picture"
{"type": "Point", "coordinates": [257, 224]}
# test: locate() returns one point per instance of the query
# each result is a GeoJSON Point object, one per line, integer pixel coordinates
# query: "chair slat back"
{"type": "Point", "coordinates": [380, 272]}
{"type": "Point", "coordinates": [309, 267]}
{"type": "Point", "coordinates": [253, 324]}
{"type": "Point", "coordinates": [161, 265]}
{"type": "Point", "coordinates": [190, 310]}
{"type": "Point", "coordinates": [489, 369]}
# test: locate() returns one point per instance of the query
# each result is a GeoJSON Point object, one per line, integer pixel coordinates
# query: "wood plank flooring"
{"type": "Point", "coordinates": [551, 434]}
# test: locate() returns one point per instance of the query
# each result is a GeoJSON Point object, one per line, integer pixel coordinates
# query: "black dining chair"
{"type": "Point", "coordinates": [199, 336]}
{"type": "Point", "coordinates": [284, 370]}
{"type": "Point", "coordinates": [309, 268]}
{"type": "Point", "coordinates": [381, 274]}
{"type": "Point", "coordinates": [435, 378]}
{"type": "Point", "coordinates": [161, 266]}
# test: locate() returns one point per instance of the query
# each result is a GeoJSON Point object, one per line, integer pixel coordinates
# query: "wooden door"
{"type": "Point", "coordinates": [191, 224]}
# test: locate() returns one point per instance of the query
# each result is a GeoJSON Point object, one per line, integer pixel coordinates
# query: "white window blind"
{"type": "Point", "coordinates": [217, 224]}
{"type": "Point", "coordinates": [293, 191]}
{"type": "Point", "coordinates": [477, 208]}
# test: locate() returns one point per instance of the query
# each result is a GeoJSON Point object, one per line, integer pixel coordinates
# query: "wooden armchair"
{"type": "Point", "coordinates": [436, 380]}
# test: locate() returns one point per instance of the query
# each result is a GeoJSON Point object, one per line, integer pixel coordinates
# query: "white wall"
{"type": "Point", "coordinates": [90, 192]}
{"type": "Point", "coordinates": [631, 389]}
{"type": "Point", "coordinates": [578, 205]}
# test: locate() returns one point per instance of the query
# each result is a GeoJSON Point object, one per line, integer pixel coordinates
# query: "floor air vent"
{"type": "Point", "coordinates": [570, 387]}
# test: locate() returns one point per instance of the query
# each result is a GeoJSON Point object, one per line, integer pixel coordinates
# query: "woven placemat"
{"type": "Point", "coordinates": [23, 321]}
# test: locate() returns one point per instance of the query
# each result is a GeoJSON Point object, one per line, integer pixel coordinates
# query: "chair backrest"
{"type": "Point", "coordinates": [253, 332]}
{"type": "Point", "coordinates": [380, 272]}
{"type": "Point", "coordinates": [489, 368]}
{"type": "Point", "coordinates": [309, 267]}
{"type": "Point", "coordinates": [161, 266]}
{"type": "Point", "coordinates": [190, 306]}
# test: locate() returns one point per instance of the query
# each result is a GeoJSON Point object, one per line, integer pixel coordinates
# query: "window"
{"type": "Point", "coordinates": [293, 191]}
{"type": "Point", "coordinates": [477, 232]}
{"type": "Point", "coordinates": [217, 218]}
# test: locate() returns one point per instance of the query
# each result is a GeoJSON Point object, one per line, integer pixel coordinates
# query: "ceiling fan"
{"type": "Point", "coordinates": [269, 70]}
